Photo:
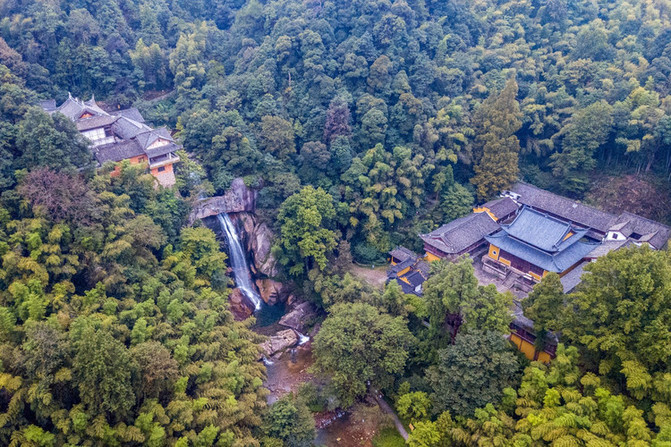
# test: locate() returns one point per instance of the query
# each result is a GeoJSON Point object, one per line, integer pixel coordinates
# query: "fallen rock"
{"type": "Point", "coordinates": [272, 291]}
{"type": "Point", "coordinates": [279, 342]}
{"type": "Point", "coordinates": [297, 318]}
{"type": "Point", "coordinates": [240, 305]}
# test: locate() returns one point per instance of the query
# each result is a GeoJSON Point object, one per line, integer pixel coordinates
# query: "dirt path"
{"type": "Point", "coordinates": [384, 406]}
{"type": "Point", "coordinates": [374, 276]}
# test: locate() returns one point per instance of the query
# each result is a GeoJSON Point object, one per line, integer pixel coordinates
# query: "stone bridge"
{"type": "Point", "coordinates": [239, 198]}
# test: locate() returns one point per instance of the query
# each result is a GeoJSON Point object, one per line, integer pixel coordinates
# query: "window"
{"type": "Point", "coordinates": [161, 169]}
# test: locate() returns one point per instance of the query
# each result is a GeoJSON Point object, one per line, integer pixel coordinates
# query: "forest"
{"type": "Point", "coordinates": [360, 124]}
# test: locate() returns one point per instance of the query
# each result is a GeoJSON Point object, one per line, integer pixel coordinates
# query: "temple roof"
{"type": "Point", "coordinates": [118, 151]}
{"type": "Point", "coordinates": [401, 253]}
{"type": "Point", "coordinates": [641, 229]}
{"type": "Point", "coordinates": [501, 208]}
{"type": "Point", "coordinates": [563, 207]}
{"type": "Point", "coordinates": [542, 231]}
{"type": "Point", "coordinates": [130, 113]}
{"type": "Point", "coordinates": [461, 233]}
{"type": "Point", "coordinates": [552, 262]}
{"type": "Point", "coordinates": [94, 122]}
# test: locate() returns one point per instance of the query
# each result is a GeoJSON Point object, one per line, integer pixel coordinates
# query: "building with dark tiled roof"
{"type": "Point", "coordinates": [536, 243]}
{"type": "Point", "coordinates": [121, 135]}
{"type": "Point", "coordinates": [635, 228]}
{"type": "Point", "coordinates": [598, 222]}
{"type": "Point", "coordinates": [408, 269]}
{"type": "Point", "coordinates": [461, 236]}
{"type": "Point", "coordinates": [499, 210]}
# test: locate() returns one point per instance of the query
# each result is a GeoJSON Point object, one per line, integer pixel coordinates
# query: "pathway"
{"type": "Point", "coordinates": [390, 411]}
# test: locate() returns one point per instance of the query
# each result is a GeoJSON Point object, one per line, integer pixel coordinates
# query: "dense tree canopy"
{"type": "Point", "coordinates": [358, 345]}
{"type": "Point", "coordinates": [359, 124]}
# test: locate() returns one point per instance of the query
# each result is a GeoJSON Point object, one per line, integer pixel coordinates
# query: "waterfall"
{"type": "Point", "coordinates": [243, 278]}
{"type": "Point", "coordinates": [302, 339]}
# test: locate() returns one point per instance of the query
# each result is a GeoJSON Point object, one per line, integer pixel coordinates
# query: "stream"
{"type": "Point", "coordinates": [286, 371]}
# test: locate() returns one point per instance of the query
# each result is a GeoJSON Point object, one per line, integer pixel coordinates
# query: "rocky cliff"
{"type": "Point", "coordinates": [239, 198]}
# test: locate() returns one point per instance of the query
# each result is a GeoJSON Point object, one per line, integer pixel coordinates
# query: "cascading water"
{"type": "Point", "coordinates": [243, 279]}
{"type": "Point", "coordinates": [302, 339]}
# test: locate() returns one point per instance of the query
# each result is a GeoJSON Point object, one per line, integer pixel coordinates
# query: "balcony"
{"type": "Point", "coordinates": [163, 160]}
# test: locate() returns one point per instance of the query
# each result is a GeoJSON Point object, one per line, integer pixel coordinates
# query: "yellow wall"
{"type": "Point", "coordinates": [544, 357]}
{"type": "Point", "coordinates": [482, 209]}
{"type": "Point", "coordinates": [403, 272]}
{"type": "Point", "coordinates": [529, 350]}
{"type": "Point", "coordinates": [504, 261]}
{"type": "Point", "coordinates": [431, 257]}
{"type": "Point", "coordinates": [524, 346]}
{"type": "Point", "coordinates": [494, 252]}
{"type": "Point", "coordinates": [535, 276]}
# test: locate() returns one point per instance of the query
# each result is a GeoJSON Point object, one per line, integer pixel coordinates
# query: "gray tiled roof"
{"type": "Point", "coordinates": [147, 138]}
{"type": "Point", "coordinates": [401, 253]}
{"type": "Point", "coordinates": [118, 151]}
{"type": "Point", "coordinates": [461, 233]}
{"type": "Point", "coordinates": [162, 150]}
{"type": "Point", "coordinates": [552, 262]}
{"type": "Point", "coordinates": [94, 122]}
{"type": "Point", "coordinates": [127, 125]}
{"type": "Point", "coordinates": [563, 207]}
{"type": "Point", "coordinates": [131, 113]}
{"type": "Point", "coordinates": [502, 207]}
{"type": "Point", "coordinates": [394, 269]}
{"type": "Point", "coordinates": [542, 231]}
{"type": "Point", "coordinates": [126, 128]}
{"type": "Point", "coordinates": [655, 233]}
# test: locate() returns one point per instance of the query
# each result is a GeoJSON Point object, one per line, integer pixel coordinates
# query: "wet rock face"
{"type": "Point", "coordinates": [299, 316]}
{"type": "Point", "coordinates": [238, 199]}
{"type": "Point", "coordinates": [240, 306]}
{"type": "Point", "coordinates": [259, 240]}
{"type": "Point", "coordinates": [272, 291]}
{"type": "Point", "coordinates": [260, 245]}
{"type": "Point", "coordinates": [279, 342]}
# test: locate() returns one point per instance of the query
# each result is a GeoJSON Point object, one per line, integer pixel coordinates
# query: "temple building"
{"type": "Point", "coordinates": [466, 235]}
{"type": "Point", "coordinates": [529, 232]}
{"type": "Point", "coordinates": [122, 135]}
{"type": "Point", "coordinates": [408, 269]}
{"type": "Point", "coordinates": [536, 243]}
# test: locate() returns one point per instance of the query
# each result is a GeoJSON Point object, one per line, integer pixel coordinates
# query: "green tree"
{"type": "Point", "coordinates": [277, 137]}
{"type": "Point", "coordinates": [496, 148]}
{"type": "Point", "coordinates": [588, 130]}
{"type": "Point", "coordinates": [50, 141]}
{"type": "Point", "coordinates": [472, 373]}
{"type": "Point", "coordinates": [414, 406]}
{"type": "Point", "coordinates": [545, 303]}
{"type": "Point", "coordinates": [618, 316]}
{"type": "Point", "coordinates": [102, 370]}
{"type": "Point", "coordinates": [306, 230]}
{"type": "Point", "coordinates": [457, 201]}
{"type": "Point", "coordinates": [454, 299]}
{"type": "Point", "coordinates": [356, 345]}
{"type": "Point", "coordinates": [290, 420]}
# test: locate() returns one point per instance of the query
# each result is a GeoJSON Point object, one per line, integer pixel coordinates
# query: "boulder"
{"type": "Point", "coordinates": [300, 315]}
{"type": "Point", "coordinates": [240, 305]}
{"type": "Point", "coordinates": [239, 198]}
{"type": "Point", "coordinates": [272, 291]}
{"type": "Point", "coordinates": [279, 342]}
